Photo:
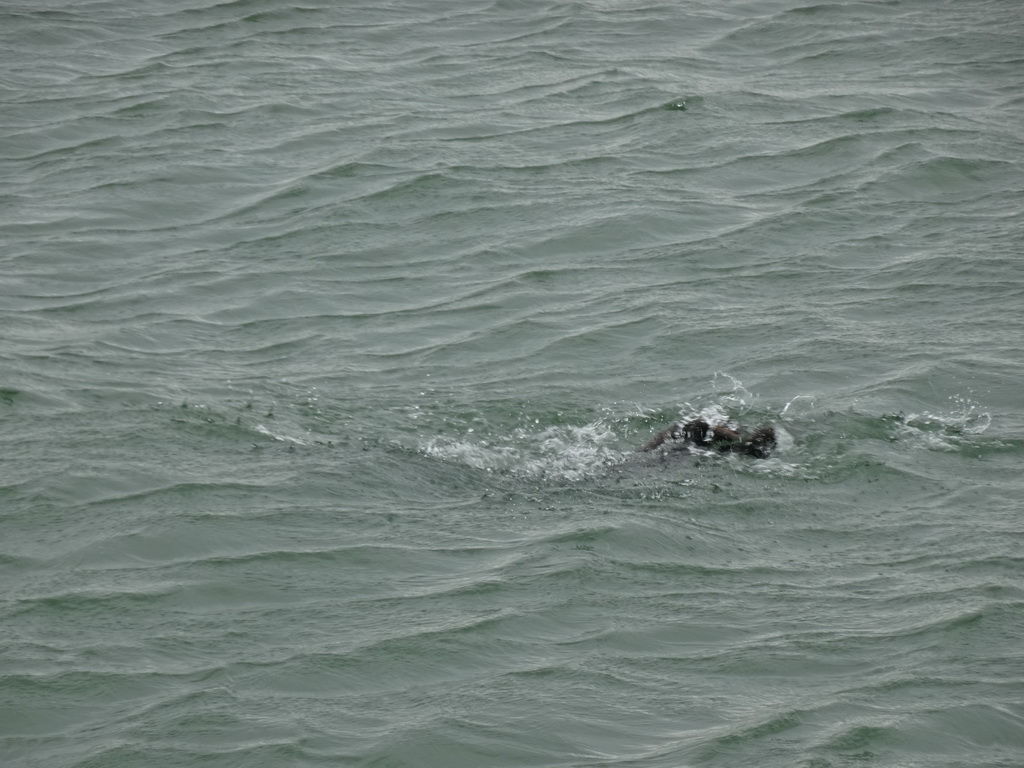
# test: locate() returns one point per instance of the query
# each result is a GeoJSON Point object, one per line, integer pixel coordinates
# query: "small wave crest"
{"type": "Point", "coordinates": [279, 437]}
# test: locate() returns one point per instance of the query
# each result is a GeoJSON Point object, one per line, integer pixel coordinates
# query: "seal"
{"type": "Point", "coordinates": [697, 433]}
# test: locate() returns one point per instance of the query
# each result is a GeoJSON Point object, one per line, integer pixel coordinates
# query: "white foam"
{"type": "Point", "coordinates": [564, 452]}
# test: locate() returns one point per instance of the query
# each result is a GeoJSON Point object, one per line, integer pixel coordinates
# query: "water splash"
{"type": "Point", "coordinates": [944, 431]}
{"type": "Point", "coordinates": [795, 408]}
{"type": "Point", "coordinates": [559, 452]}
{"type": "Point", "coordinates": [731, 392]}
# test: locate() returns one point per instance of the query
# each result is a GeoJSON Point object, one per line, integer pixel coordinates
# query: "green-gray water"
{"type": "Point", "coordinates": [329, 331]}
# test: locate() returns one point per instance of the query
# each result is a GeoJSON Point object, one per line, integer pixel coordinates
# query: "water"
{"type": "Point", "coordinates": [329, 332]}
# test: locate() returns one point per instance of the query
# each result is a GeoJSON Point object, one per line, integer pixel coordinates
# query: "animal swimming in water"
{"type": "Point", "coordinates": [697, 433]}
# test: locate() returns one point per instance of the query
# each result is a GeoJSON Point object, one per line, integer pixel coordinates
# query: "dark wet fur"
{"type": "Point", "coordinates": [699, 434]}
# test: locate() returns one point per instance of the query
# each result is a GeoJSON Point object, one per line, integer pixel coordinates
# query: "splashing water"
{"type": "Point", "coordinates": [945, 431]}
{"type": "Point", "coordinates": [562, 452]}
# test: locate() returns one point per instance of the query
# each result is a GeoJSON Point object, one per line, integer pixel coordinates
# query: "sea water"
{"type": "Point", "coordinates": [329, 332]}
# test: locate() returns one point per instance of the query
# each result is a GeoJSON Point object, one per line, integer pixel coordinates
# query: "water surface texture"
{"type": "Point", "coordinates": [329, 331]}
